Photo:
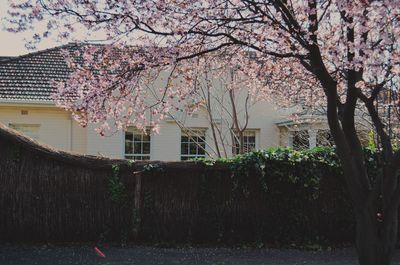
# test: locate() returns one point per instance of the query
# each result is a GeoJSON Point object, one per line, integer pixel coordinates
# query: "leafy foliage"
{"type": "Point", "coordinates": [274, 197]}
{"type": "Point", "coordinates": [116, 187]}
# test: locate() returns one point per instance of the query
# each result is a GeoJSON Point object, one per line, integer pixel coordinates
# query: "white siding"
{"type": "Point", "coordinates": [111, 145]}
{"type": "Point", "coordinates": [58, 130]}
{"type": "Point", "coordinates": [79, 138]}
{"type": "Point", "coordinates": [262, 118]}
{"type": "Point", "coordinates": [167, 144]}
{"type": "Point", "coordinates": [55, 124]}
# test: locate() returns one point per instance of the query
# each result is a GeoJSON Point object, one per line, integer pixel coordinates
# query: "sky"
{"type": "Point", "coordinates": [12, 44]}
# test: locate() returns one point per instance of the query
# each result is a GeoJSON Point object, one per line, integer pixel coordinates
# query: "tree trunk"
{"type": "Point", "coordinates": [375, 238]}
{"type": "Point", "coordinates": [241, 142]}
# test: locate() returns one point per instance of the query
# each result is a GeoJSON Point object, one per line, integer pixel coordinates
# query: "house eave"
{"type": "Point", "coordinates": [306, 119]}
{"type": "Point", "coordinates": [27, 103]}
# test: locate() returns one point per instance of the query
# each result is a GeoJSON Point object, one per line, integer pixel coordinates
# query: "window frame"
{"type": "Point", "coordinates": [142, 155]}
{"type": "Point", "coordinates": [193, 135]}
{"type": "Point", "coordinates": [305, 138]}
{"type": "Point", "coordinates": [246, 143]}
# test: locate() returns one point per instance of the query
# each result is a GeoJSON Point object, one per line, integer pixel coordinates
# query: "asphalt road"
{"type": "Point", "coordinates": [133, 255]}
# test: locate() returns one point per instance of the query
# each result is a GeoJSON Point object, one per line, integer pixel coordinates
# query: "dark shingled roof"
{"type": "Point", "coordinates": [29, 77]}
{"type": "Point", "coordinates": [5, 58]}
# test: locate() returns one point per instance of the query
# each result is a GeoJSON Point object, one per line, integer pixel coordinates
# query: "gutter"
{"type": "Point", "coordinates": [28, 103]}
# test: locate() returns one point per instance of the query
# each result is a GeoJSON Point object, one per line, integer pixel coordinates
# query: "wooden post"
{"type": "Point", "coordinates": [137, 202]}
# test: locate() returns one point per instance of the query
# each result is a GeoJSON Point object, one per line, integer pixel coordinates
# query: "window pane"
{"type": "Point", "coordinates": [137, 148]}
{"type": "Point", "coordinates": [235, 150]}
{"type": "Point", "coordinates": [137, 145]}
{"type": "Point", "coordinates": [146, 148]}
{"type": "Point", "coordinates": [249, 147]}
{"type": "Point", "coordinates": [249, 142]}
{"type": "Point", "coordinates": [324, 138]}
{"type": "Point", "coordinates": [137, 137]}
{"type": "Point", "coordinates": [192, 148]}
{"type": "Point", "coordinates": [201, 150]}
{"type": "Point", "coordinates": [128, 147]}
{"type": "Point", "coordinates": [146, 137]}
{"type": "Point", "coordinates": [251, 139]}
{"type": "Point", "coordinates": [192, 144]}
{"type": "Point", "coordinates": [184, 148]}
{"type": "Point", "coordinates": [300, 140]}
{"type": "Point", "coordinates": [129, 136]}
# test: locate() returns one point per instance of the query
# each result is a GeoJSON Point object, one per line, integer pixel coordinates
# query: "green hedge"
{"type": "Point", "coordinates": [275, 196]}
{"type": "Point", "coordinates": [305, 190]}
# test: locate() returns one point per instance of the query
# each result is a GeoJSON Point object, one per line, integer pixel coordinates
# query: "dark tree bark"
{"type": "Point", "coordinates": [375, 206]}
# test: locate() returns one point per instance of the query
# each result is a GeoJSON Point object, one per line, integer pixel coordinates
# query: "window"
{"type": "Point", "coordinates": [30, 130]}
{"type": "Point", "coordinates": [193, 144]}
{"type": "Point", "coordinates": [324, 138]}
{"type": "Point", "coordinates": [249, 142]}
{"type": "Point", "coordinates": [137, 144]}
{"type": "Point", "coordinates": [301, 140]}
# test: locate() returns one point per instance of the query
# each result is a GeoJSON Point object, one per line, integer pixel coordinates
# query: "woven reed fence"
{"type": "Point", "coordinates": [49, 195]}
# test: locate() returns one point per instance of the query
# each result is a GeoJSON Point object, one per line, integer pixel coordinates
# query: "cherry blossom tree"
{"type": "Point", "coordinates": [219, 95]}
{"type": "Point", "coordinates": [227, 105]}
{"type": "Point", "coordinates": [347, 51]}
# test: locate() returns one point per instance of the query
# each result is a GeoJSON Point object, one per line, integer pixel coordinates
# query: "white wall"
{"type": "Point", "coordinates": [58, 130]}
{"type": "Point", "coordinates": [167, 144]}
{"type": "Point", "coordinates": [111, 145]}
{"type": "Point", "coordinates": [56, 127]}
{"type": "Point", "coordinates": [55, 124]}
{"type": "Point", "coordinates": [79, 138]}
{"type": "Point", "coordinates": [263, 116]}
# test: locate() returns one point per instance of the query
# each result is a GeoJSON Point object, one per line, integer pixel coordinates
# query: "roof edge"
{"type": "Point", "coordinates": [46, 103]}
{"type": "Point", "coordinates": [15, 58]}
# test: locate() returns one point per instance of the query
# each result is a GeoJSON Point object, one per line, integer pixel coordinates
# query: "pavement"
{"type": "Point", "coordinates": [138, 255]}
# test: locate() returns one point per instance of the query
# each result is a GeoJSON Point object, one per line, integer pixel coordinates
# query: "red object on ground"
{"type": "Point", "coordinates": [99, 252]}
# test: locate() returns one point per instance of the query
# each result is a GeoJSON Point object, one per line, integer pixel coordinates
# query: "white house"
{"type": "Point", "coordinates": [26, 105]}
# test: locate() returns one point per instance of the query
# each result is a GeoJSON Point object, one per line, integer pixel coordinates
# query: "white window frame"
{"type": "Point", "coordinates": [292, 136]}
{"type": "Point", "coordinates": [192, 139]}
{"type": "Point", "coordinates": [137, 156]}
{"type": "Point", "coordinates": [246, 135]}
